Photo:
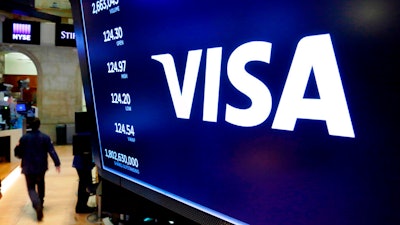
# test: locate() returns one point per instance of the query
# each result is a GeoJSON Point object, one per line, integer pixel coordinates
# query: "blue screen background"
{"type": "Point", "coordinates": [256, 175]}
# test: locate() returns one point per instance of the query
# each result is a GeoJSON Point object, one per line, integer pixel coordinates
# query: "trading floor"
{"type": "Point", "coordinates": [60, 199]}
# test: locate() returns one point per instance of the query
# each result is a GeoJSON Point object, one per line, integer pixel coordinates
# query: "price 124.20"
{"type": "Point", "coordinates": [121, 98]}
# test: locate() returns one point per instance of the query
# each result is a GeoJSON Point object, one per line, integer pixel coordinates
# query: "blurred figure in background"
{"type": "Point", "coordinates": [33, 149]}
{"type": "Point", "coordinates": [83, 165]}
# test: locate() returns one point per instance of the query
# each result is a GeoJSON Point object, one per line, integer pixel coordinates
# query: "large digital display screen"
{"type": "Point", "coordinates": [253, 112]}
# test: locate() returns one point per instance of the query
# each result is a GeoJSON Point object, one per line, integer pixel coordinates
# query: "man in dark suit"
{"type": "Point", "coordinates": [34, 147]}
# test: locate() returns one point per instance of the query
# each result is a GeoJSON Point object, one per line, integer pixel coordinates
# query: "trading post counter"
{"type": "Point", "coordinates": [8, 140]}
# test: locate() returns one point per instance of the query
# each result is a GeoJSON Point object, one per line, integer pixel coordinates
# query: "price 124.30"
{"type": "Point", "coordinates": [113, 34]}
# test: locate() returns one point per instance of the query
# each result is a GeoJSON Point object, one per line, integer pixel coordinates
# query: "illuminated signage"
{"type": "Point", "coordinates": [23, 32]}
{"type": "Point", "coordinates": [65, 35]}
{"type": "Point", "coordinates": [313, 52]}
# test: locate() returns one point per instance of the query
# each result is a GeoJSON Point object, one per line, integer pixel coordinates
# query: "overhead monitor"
{"type": "Point", "coordinates": [21, 32]}
{"type": "Point", "coordinates": [248, 112]}
{"type": "Point", "coordinates": [65, 35]}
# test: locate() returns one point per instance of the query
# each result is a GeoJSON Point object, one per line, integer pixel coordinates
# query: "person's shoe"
{"type": "Point", "coordinates": [39, 213]}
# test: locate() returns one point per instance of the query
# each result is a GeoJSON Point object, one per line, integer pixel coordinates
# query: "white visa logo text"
{"type": "Point", "coordinates": [312, 53]}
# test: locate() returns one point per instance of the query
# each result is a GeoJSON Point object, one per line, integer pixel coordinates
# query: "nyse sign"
{"type": "Point", "coordinates": [312, 53]}
{"type": "Point", "coordinates": [21, 32]}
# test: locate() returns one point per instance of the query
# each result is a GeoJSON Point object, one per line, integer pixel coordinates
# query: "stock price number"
{"type": "Point", "coordinates": [116, 66]}
{"type": "Point", "coordinates": [102, 5]}
{"type": "Point", "coordinates": [125, 129]}
{"type": "Point", "coordinates": [121, 158]}
{"type": "Point", "coordinates": [121, 98]}
{"type": "Point", "coordinates": [110, 154]}
{"type": "Point", "coordinates": [113, 34]}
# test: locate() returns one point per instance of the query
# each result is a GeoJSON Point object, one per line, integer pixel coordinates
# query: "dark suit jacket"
{"type": "Point", "coordinates": [35, 146]}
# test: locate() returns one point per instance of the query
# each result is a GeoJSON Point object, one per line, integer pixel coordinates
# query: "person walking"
{"type": "Point", "coordinates": [34, 148]}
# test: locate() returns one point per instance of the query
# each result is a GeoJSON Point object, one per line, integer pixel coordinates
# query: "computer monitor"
{"type": "Point", "coordinates": [21, 107]}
